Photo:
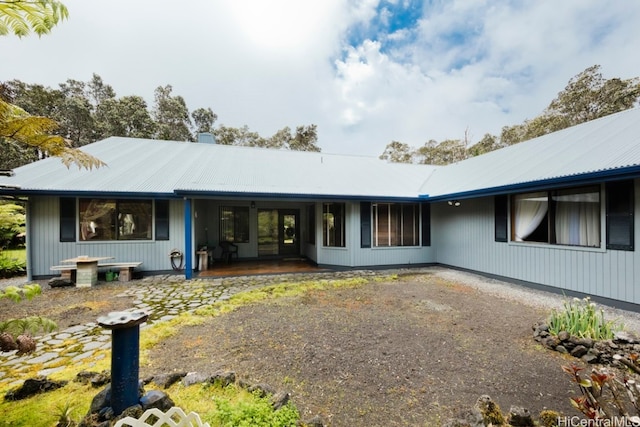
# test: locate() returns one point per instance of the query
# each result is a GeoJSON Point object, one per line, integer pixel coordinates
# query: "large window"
{"type": "Point", "coordinates": [234, 224]}
{"type": "Point", "coordinates": [108, 219]}
{"type": "Point", "coordinates": [333, 224]}
{"type": "Point", "coordinates": [564, 217]}
{"type": "Point", "coordinates": [396, 224]}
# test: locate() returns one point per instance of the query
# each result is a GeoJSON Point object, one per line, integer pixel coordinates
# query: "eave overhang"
{"type": "Point", "coordinates": [618, 174]}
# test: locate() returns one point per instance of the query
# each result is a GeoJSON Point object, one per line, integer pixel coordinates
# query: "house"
{"type": "Point", "coordinates": [555, 211]}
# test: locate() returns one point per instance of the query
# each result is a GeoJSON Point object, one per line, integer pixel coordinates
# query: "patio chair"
{"type": "Point", "coordinates": [229, 250]}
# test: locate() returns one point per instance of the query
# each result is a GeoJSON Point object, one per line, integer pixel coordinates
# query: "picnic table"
{"type": "Point", "coordinates": [86, 269]}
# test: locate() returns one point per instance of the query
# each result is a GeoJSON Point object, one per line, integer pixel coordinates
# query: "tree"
{"type": "Point", "coordinates": [398, 152]}
{"type": "Point", "coordinates": [586, 97]}
{"type": "Point", "coordinates": [21, 17]}
{"type": "Point", "coordinates": [203, 119]}
{"type": "Point", "coordinates": [76, 113]}
{"type": "Point", "coordinates": [305, 139]}
{"type": "Point", "coordinates": [171, 115]}
{"type": "Point", "coordinates": [443, 153]}
{"type": "Point", "coordinates": [127, 116]}
{"type": "Point", "coordinates": [486, 144]}
{"type": "Point", "coordinates": [17, 127]}
{"type": "Point", "coordinates": [589, 96]}
{"type": "Point", "coordinates": [238, 136]}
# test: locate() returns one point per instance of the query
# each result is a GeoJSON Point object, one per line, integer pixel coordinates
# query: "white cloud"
{"type": "Point", "coordinates": [477, 65]}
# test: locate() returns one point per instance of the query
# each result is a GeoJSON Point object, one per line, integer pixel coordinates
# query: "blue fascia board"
{"type": "Point", "coordinates": [545, 184]}
{"type": "Point", "coordinates": [309, 197]}
{"type": "Point", "coordinates": [96, 194]}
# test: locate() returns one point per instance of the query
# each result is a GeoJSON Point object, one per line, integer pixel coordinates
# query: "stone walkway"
{"type": "Point", "coordinates": [163, 297]}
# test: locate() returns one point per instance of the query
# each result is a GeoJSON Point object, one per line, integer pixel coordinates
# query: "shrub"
{"type": "Point", "coordinates": [605, 396]}
{"type": "Point", "coordinates": [581, 318]}
{"type": "Point", "coordinates": [11, 267]}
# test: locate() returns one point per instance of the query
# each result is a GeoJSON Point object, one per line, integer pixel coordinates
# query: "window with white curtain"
{"type": "Point", "coordinates": [564, 217]}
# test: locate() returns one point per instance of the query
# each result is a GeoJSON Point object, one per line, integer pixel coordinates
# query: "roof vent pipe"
{"type": "Point", "coordinates": [206, 138]}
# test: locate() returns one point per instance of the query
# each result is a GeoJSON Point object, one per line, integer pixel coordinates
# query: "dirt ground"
{"type": "Point", "coordinates": [411, 351]}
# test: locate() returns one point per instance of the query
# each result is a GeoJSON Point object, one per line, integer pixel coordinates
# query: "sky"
{"type": "Point", "coordinates": [366, 72]}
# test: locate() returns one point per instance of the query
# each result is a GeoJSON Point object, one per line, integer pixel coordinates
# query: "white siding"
{"type": "Point", "coordinates": [464, 237]}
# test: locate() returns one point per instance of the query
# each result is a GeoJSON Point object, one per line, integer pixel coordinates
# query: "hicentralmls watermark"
{"type": "Point", "coordinates": [602, 422]}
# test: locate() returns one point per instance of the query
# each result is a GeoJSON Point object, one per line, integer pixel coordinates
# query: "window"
{"type": "Point", "coordinates": [564, 217]}
{"type": "Point", "coordinates": [365, 224]}
{"type": "Point", "coordinates": [234, 224]}
{"type": "Point", "coordinates": [333, 224]}
{"type": "Point", "coordinates": [67, 219]}
{"type": "Point", "coordinates": [501, 212]}
{"type": "Point", "coordinates": [395, 224]}
{"type": "Point", "coordinates": [426, 224]}
{"type": "Point", "coordinates": [107, 219]}
{"type": "Point", "coordinates": [620, 214]}
{"type": "Point", "coordinates": [311, 224]}
{"type": "Point", "coordinates": [162, 220]}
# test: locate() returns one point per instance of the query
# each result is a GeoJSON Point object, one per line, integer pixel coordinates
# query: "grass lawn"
{"type": "Point", "coordinates": [19, 255]}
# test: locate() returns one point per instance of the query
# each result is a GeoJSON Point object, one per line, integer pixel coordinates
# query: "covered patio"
{"type": "Point", "coordinates": [257, 267]}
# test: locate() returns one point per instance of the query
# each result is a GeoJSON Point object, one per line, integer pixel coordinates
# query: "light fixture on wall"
{"type": "Point", "coordinates": [253, 205]}
{"type": "Point", "coordinates": [455, 203]}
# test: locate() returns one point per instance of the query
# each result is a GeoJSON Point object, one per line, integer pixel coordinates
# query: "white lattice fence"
{"type": "Point", "coordinates": [174, 417]}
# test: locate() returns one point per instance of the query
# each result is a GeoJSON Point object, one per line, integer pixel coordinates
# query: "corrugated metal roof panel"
{"type": "Point", "coordinates": [163, 167]}
{"type": "Point", "coordinates": [609, 143]}
{"type": "Point", "coordinates": [141, 166]}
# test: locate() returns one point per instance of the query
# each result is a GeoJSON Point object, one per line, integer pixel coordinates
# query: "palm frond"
{"type": "Point", "coordinates": [16, 125]}
{"type": "Point", "coordinates": [21, 17]}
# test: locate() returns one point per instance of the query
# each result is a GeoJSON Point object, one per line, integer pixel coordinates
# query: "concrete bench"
{"type": "Point", "coordinates": [125, 269]}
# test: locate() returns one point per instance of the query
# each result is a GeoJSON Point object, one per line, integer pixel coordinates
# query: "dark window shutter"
{"type": "Point", "coordinates": [162, 220]}
{"type": "Point", "coordinates": [365, 224]}
{"type": "Point", "coordinates": [426, 224]}
{"type": "Point", "coordinates": [501, 215]}
{"type": "Point", "coordinates": [620, 202]}
{"type": "Point", "coordinates": [67, 219]}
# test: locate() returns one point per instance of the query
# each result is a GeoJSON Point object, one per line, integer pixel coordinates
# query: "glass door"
{"type": "Point", "coordinates": [289, 242]}
{"type": "Point", "coordinates": [278, 232]}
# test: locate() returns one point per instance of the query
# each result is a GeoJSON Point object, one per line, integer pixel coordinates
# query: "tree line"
{"type": "Point", "coordinates": [90, 111]}
{"type": "Point", "coordinates": [586, 97]}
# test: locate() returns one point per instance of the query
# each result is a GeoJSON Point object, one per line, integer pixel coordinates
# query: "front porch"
{"type": "Point", "coordinates": [258, 267]}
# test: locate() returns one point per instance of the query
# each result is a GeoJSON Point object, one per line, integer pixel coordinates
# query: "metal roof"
{"type": "Point", "coordinates": [597, 150]}
{"type": "Point", "coordinates": [153, 167]}
{"type": "Point", "coordinates": [602, 149]}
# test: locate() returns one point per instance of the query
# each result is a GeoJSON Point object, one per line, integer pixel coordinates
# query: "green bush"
{"type": "Point", "coordinates": [254, 414]}
{"type": "Point", "coordinates": [581, 318]}
{"type": "Point", "coordinates": [10, 266]}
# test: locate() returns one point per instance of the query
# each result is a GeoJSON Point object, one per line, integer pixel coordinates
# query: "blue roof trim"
{"type": "Point", "coordinates": [296, 196]}
{"type": "Point", "coordinates": [99, 194]}
{"type": "Point", "coordinates": [590, 178]}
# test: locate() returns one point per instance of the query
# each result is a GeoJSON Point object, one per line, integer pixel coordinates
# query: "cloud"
{"type": "Point", "coordinates": [367, 72]}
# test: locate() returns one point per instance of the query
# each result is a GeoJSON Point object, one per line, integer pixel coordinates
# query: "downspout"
{"type": "Point", "coordinates": [28, 239]}
{"type": "Point", "coordinates": [188, 252]}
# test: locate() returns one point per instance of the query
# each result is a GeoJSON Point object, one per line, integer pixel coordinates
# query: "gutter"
{"type": "Point", "coordinates": [293, 196]}
{"type": "Point", "coordinates": [629, 172]}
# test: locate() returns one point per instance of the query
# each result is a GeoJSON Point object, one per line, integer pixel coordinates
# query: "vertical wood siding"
{"type": "Point", "coordinates": [352, 255]}
{"type": "Point", "coordinates": [47, 250]}
{"type": "Point", "coordinates": [464, 238]}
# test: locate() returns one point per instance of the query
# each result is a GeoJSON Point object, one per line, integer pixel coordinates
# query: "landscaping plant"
{"type": "Point", "coordinates": [580, 318]}
{"type": "Point", "coordinates": [17, 334]}
{"type": "Point", "coordinates": [605, 396]}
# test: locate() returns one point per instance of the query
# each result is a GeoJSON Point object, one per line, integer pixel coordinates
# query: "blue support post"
{"type": "Point", "coordinates": [125, 357]}
{"type": "Point", "coordinates": [188, 250]}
